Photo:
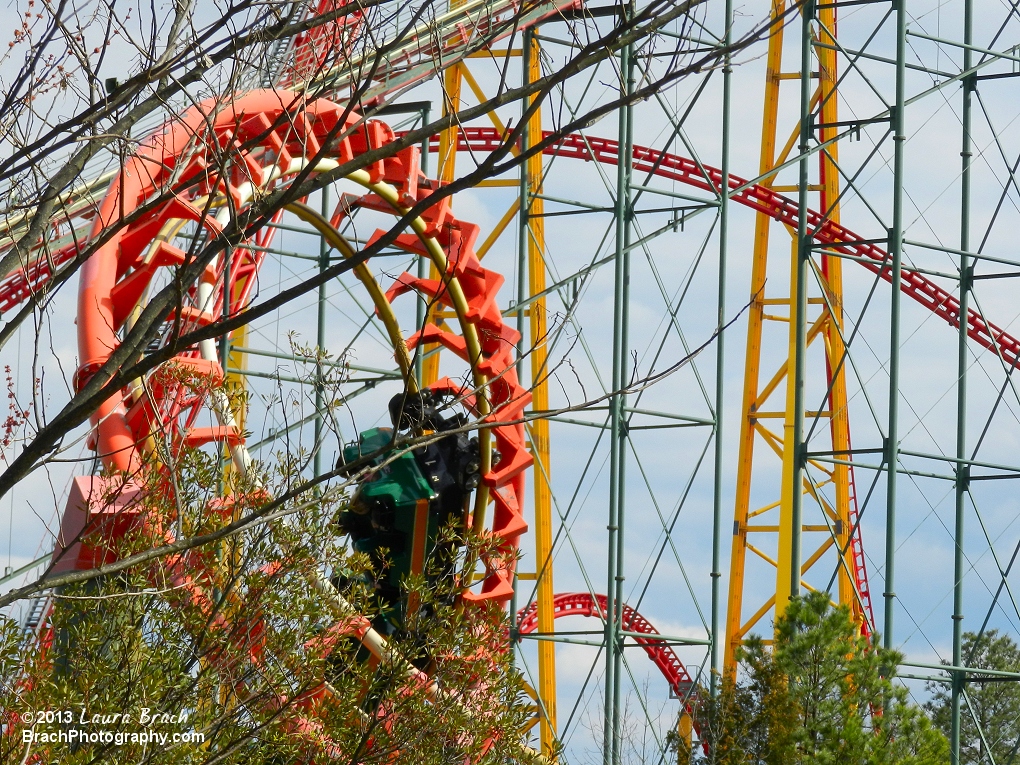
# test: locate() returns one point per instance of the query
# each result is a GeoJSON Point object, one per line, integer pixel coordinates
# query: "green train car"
{"type": "Point", "coordinates": [396, 514]}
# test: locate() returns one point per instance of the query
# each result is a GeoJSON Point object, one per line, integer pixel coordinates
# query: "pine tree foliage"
{"type": "Point", "coordinates": [750, 721]}
{"type": "Point", "coordinates": [992, 706]}
{"type": "Point", "coordinates": [819, 696]}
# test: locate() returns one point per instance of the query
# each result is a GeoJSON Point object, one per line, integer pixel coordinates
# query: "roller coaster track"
{"type": "Point", "coordinates": [681, 684]}
{"type": "Point", "coordinates": [834, 237]}
{"type": "Point", "coordinates": [584, 604]}
{"type": "Point", "coordinates": [307, 62]}
{"type": "Point", "coordinates": [114, 281]}
{"type": "Point", "coordinates": [282, 134]}
{"type": "Point", "coordinates": [468, 27]}
{"type": "Point", "coordinates": [20, 284]}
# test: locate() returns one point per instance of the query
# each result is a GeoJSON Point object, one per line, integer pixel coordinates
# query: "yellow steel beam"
{"type": "Point", "coordinates": [817, 555]}
{"type": "Point", "coordinates": [235, 383]}
{"type": "Point", "coordinates": [495, 54]}
{"type": "Point", "coordinates": [755, 618]}
{"type": "Point", "coordinates": [452, 81]}
{"type": "Point", "coordinates": [774, 441]}
{"type": "Point", "coordinates": [500, 227]}
{"type": "Point", "coordinates": [776, 444]}
{"type": "Point", "coordinates": [765, 509]}
{"type": "Point", "coordinates": [448, 139]}
{"type": "Point", "coordinates": [794, 135]}
{"type": "Point", "coordinates": [778, 415]}
{"type": "Point", "coordinates": [780, 374]}
{"type": "Point", "coordinates": [685, 728]}
{"type": "Point", "coordinates": [808, 527]}
{"type": "Point", "coordinates": [764, 557]}
{"type": "Point", "coordinates": [752, 357]}
{"type": "Point", "coordinates": [539, 429]}
{"type": "Point", "coordinates": [832, 270]}
{"type": "Point", "coordinates": [787, 529]}
{"type": "Point", "coordinates": [480, 95]}
{"type": "Point", "coordinates": [827, 325]}
{"type": "Point", "coordinates": [236, 387]}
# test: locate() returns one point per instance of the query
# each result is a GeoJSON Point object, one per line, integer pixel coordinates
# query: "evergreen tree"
{"type": "Point", "coordinates": [995, 702]}
{"type": "Point", "coordinates": [848, 710]}
{"type": "Point", "coordinates": [751, 721]}
{"type": "Point", "coordinates": [820, 696]}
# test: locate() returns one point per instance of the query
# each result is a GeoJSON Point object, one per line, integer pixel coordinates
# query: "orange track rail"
{"type": "Point", "coordinates": [282, 127]}
{"type": "Point", "coordinates": [114, 278]}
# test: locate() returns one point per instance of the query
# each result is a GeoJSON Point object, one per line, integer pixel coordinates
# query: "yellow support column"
{"type": "Point", "coordinates": [832, 270]}
{"type": "Point", "coordinates": [452, 80]}
{"type": "Point", "coordinates": [235, 386]}
{"type": "Point", "coordinates": [752, 358]}
{"type": "Point", "coordinates": [755, 419]}
{"type": "Point", "coordinates": [539, 429]}
{"type": "Point", "coordinates": [238, 360]}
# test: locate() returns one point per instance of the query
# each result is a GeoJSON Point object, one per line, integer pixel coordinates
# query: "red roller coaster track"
{"type": "Point", "coordinates": [177, 164]}
{"type": "Point", "coordinates": [585, 604]}
{"type": "Point", "coordinates": [835, 237]}
{"type": "Point", "coordinates": [17, 287]}
{"type": "Point", "coordinates": [660, 652]}
{"type": "Point", "coordinates": [20, 284]}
